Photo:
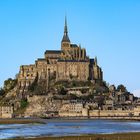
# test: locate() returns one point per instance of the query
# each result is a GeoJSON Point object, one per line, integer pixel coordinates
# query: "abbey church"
{"type": "Point", "coordinates": [69, 63]}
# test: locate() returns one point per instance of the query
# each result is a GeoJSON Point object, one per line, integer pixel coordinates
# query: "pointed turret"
{"type": "Point", "coordinates": [95, 61]}
{"type": "Point", "coordinates": [65, 36]}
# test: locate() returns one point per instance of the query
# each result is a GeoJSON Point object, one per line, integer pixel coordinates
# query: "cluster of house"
{"type": "Point", "coordinates": [6, 111]}
{"type": "Point", "coordinates": [90, 109]}
{"type": "Point", "coordinates": [114, 103]}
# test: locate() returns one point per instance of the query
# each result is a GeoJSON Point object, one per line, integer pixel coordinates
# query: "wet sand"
{"type": "Point", "coordinates": [118, 136]}
{"type": "Point", "coordinates": [43, 121]}
{"type": "Point", "coordinates": [20, 121]}
{"type": "Point", "coordinates": [121, 136]}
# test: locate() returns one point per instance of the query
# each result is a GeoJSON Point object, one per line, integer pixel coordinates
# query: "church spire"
{"type": "Point", "coordinates": [65, 27]}
{"type": "Point", "coordinates": [65, 36]}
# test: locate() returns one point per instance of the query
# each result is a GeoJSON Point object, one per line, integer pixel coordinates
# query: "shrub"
{"type": "Point", "coordinates": [2, 92]}
{"type": "Point", "coordinates": [9, 84]}
{"type": "Point", "coordinates": [23, 103]}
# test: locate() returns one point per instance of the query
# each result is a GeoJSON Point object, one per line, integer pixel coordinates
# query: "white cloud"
{"type": "Point", "coordinates": [136, 92]}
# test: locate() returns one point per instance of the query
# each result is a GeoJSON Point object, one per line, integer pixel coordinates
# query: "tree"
{"type": "Point", "coordinates": [9, 84]}
{"type": "Point", "coordinates": [121, 88]}
{"type": "Point", "coordinates": [2, 92]}
{"type": "Point", "coordinates": [23, 103]}
{"type": "Point", "coordinates": [61, 90]}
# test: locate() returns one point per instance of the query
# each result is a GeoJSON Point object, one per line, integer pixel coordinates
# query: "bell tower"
{"type": "Point", "coordinates": [65, 43]}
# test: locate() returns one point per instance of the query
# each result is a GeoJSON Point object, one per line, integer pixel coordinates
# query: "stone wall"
{"type": "Point", "coordinates": [68, 111]}
{"type": "Point", "coordinates": [39, 105]}
{"type": "Point", "coordinates": [102, 113]}
{"type": "Point", "coordinates": [68, 70]}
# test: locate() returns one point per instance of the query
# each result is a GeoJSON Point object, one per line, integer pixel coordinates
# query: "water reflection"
{"type": "Point", "coordinates": [65, 128]}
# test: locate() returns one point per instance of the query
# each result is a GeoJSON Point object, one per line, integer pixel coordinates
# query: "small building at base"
{"type": "Point", "coordinates": [6, 111]}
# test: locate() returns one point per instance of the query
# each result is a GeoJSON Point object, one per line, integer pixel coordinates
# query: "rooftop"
{"type": "Point", "coordinates": [53, 51]}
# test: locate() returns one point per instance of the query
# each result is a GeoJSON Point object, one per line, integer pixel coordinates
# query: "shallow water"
{"type": "Point", "coordinates": [65, 128]}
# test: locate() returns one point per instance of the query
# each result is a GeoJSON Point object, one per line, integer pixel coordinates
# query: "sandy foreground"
{"type": "Point", "coordinates": [121, 136]}
{"type": "Point", "coordinates": [20, 121]}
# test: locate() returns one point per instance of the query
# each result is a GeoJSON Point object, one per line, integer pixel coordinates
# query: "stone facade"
{"type": "Point", "coordinates": [69, 63]}
{"type": "Point", "coordinates": [42, 105]}
{"type": "Point", "coordinates": [73, 110]}
{"type": "Point", "coordinates": [78, 90]}
{"type": "Point", "coordinates": [6, 111]}
{"type": "Point", "coordinates": [81, 110]}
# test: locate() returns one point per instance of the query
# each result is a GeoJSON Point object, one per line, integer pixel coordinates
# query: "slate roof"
{"type": "Point", "coordinates": [53, 51]}
{"type": "Point", "coordinates": [72, 60]}
{"type": "Point", "coordinates": [65, 38]}
{"type": "Point", "coordinates": [41, 59]}
{"type": "Point", "coordinates": [73, 45]}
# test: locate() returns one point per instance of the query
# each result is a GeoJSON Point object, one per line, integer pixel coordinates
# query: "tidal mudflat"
{"type": "Point", "coordinates": [55, 129]}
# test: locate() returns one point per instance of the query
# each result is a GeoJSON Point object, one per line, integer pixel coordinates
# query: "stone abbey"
{"type": "Point", "coordinates": [69, 63]}
{"type": "Point", "coordinates": [66, 83]}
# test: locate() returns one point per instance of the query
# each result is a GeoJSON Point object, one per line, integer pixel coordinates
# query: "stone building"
{"type": "Point", "coordinates": [6, 111]}
{"type": "Point", "coordinates": [78, 90]}
{"type": "Point", "coordinates": [73, 110]}
{"type": "Point", "coordinates": [69, 63]}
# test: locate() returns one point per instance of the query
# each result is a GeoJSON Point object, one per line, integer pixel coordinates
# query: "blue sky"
{"type": "Point", "coordinates": [108, 29]}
